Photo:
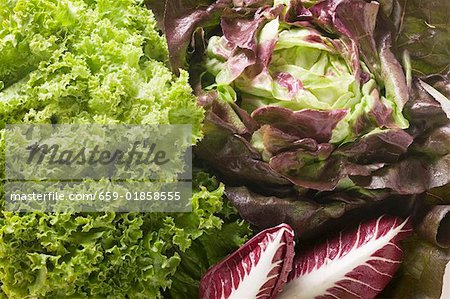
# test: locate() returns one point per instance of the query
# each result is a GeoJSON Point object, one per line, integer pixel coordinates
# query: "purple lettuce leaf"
{"type": "Point", "coordinates": [355, 19]}
{"type": "Point", "coordinates": [438, 196]}
{"type": "Point", "coordinates": [311, 169]}
{"type": "Point", "coordinates": [241, 32]}
{"type": "Point", "coordinates": [311, 219]}
{"type": "Point", "coordinates": [424, 32]}
{"type": "Point", "coordinates": [231, 154]}
{"type": "Point", "coordinates": [435, 225]}
{"type": "Point", "coordinates": [181, 19]}
{"type": "Point", "coordinates": [423, 111]}
{"type": "Point", "coordinates": [158, 8]}
{"type": "Point", "coordinates": [381, 147]}
{"type": "Point", "coordinates": [322, 167]}
{"type": "Point", "coordinates": [436, 143]}
{"type": "Point", "coordinates": [306, 123]}
{"type": "Point", "coordinates": [403, 177]}
{"type": "Point", "coordinates": [275, 141]}
{"type": "Point", "coordinates": [392, 73]}
{"type": "Point", "coordinates": [429, 155]}
{"type": "Point", "coordinates": [376, 161]}
{"type": "Point", "coordinates": [380, 114]}
{"type": "Point", "coordinates": [434, 221]}
{"type": "Point", "coordinates": [443, 100]}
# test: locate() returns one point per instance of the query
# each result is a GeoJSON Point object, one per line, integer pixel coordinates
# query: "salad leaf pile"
{"type": "Point", "coordinates": [76, 61]}
{"type": "Point", "coordinates": [316, 114]}
{"type": "Point", "coordinates": [315, 104]}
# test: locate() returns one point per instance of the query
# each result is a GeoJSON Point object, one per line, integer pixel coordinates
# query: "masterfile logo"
{"type": "Point", "coordinates": [95, 168]}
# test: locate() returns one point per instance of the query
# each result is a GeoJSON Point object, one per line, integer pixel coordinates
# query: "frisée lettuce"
{"type": "Point", "coordinates": [81, 62]}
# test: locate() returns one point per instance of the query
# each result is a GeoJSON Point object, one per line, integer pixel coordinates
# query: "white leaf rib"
{"type": "Point", "coordinates": [347, 290]}
{"type": "Point", "coordinates": [266, 288]}
{"type": "Point", "coordinates": [258, 275]}
{"type": "Point", "coordinates": [377, 271]}
{"type": "Point", "coordinates": [382, 259]}
{"type": "Point", "coordinates": [332, 295]}
{"type": "Point", "coordinates": [363, 283]}
{"type": "Point", "coordinates": [340, 246]}
{"type": "Point", "coordinates": [390, 243]}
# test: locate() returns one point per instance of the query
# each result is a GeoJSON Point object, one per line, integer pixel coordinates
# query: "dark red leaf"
{"type": "Point", "coordinates": [356, 264]}
{"type": "Point", "coordinates": [258, 269]}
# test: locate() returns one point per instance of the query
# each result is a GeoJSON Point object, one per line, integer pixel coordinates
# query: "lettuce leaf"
{"type": "Point", "coordinates": [425, 35]}
{"type": "Point", "coordinates": [422, 271]}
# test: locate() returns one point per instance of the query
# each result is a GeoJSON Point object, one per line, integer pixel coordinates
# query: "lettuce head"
{"type": "Point", "coordinates": [324, 111]}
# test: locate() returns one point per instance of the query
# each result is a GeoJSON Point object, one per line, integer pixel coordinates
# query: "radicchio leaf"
{"type": "Point", "coordinates": [258, 269]}
{"type": "Point", "coordinates": [355, 264]}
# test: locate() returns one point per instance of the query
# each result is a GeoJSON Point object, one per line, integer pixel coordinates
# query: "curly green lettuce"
{"type": "Point", "coordinates": [99, 255]}
{"type": "Point", "coordinates": [76, 61]}
{"type": "Point", "coordinates": [88, 61]}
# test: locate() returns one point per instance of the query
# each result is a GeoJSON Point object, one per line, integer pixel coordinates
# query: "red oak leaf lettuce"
{"type": "Point", "coordinates": [312, 103]}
